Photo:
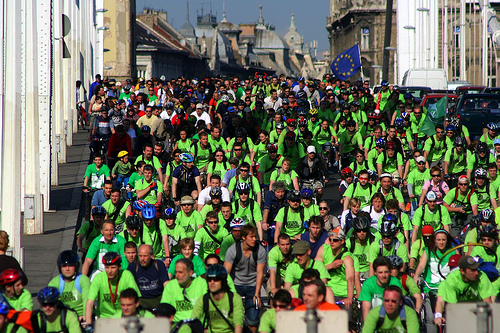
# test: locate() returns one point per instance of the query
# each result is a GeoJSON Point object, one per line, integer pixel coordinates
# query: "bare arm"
{"type": "Point", "coordinates": [277, 231]}
{"type": "Point", "coordinates": [86, 266]}
{"type": "Point", "coordinates": [366, 306]}
{"type": "Point", "coordinates": [421, 266]}
{"type": "Point", "coordinates": [88, 311]}
{"type": "Point", "coordinates": [415, 233]}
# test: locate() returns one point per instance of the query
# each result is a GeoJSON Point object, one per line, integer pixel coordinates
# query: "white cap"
{"type": "Point", "coordinates": [431, 196]}
{"type": "Point", "coordinates": [385, 175]}
{"type": "Point", "coordinates": [329, 88]}
{"type": "Point", "coordinates": [420, 159]}
{"type": "Point", "coordinates": [311, 149]}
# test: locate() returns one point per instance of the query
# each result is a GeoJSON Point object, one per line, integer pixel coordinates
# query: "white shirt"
{"type": "Point", "coordinates": [374, 215]}
{"type": "Point", "coordinates": [204, 196]}
{"type": "Point", "coordinates": [269, 103]}
{"type": "Point", "coordinates": [164, 115]}
{"type": "Point", "coordinates": [204, 116]}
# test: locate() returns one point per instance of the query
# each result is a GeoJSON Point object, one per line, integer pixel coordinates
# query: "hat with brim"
{"type": "Point", "coordinates": [187, 200]}
{"type": "Point", "coordinates": [301, 247]}
{"type": "Point", "coordinates": [468, 262]}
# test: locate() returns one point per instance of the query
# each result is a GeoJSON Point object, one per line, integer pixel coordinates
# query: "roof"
{"type": "Point", "coordinates": [268, 39]}
{"type": "Point", "coordinates": [187, 30]}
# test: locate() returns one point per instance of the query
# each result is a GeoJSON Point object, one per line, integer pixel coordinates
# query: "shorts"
{"type": "Point", "coordinates": [185, 190]}
{"type": "Point", "coordinates": [251, 313]}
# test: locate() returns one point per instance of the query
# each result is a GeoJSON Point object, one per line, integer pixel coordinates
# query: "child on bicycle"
{"type": "Point", "coordinates": [135, 177]}
{"type": "Point", "coordinates": [122, 170]}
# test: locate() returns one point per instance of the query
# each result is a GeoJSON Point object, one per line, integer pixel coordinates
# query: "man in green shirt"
{"type": "Point", "coordinates": [278, 259]}
{"type": "Point", "coordinates": [486, 192]}
{"type": "Point", "coordinates": [148, 157]}
{"type": "Point", "coordinates": [225, 312]}
{"type": "Point", "coordinates": [389, 191]}
{"type": "Point", "coordinates": [281, 301]}
{"type": "Point", "coordinates": [292, 149]}
{"type": "Point", "coordinates": [130, 305]}
{"type": "Point", "coordinates": [209, 238]}
{"type": "Point", "coordinates": [397, 317]}
{"type": "Point", "coordinates": [390, 162]}
{"type": "Point", "coordinates": [416, 180]}
{"type": "Point", "coordinates": [188, 218]}
{"type": "Point", "coordinates": [12, 288]}
{"type": "Point", "coordinates": [52, 311]}
{"type": "Point", "coordinates": [466, 284]}
{"type": "Point", "coordinates": [462, 203]}
{"type": "Point", "coordinates": [373, 289]}
{"type": "Point", "coordinates": [247, 208]}
{"type": "Point", "coordinates": [90, 229]}
{"type": "Point", "coordinates": [117, 209]}
{"type": "Point", "coordinates": [149, 189]}
{"type": "Point", "coordinates": [436, 146]}
{"type": "Point", "coordinates": [243, 176]}
{"type": "Point", "coordinates": [202, 152]}
{"type": "Point", "coordinates": [183, 292]}
{"type": "Point", "coordinates": [151, 230]}
{"type": "Point", "coordinates": [291, 218]}
{"type": "Point", "coordinates": [430, 214]}
{"type": "Point", "coordinates": [107, 286]}
{"type": "Point", "coordinates": [410, 288]}
{"type": "Point", "coordinates": [303, 260]}
{"type": "Point", "coordinates": [269, 163]}
{"type": "Point", "coordinates": [361, 190]}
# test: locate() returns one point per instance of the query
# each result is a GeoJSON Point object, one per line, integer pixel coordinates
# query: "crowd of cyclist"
{"type": "Point", "coordinates": [204, 205]}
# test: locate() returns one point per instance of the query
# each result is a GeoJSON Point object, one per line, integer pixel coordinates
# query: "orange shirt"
{"type": "Point", "coordinates": [325, 306]}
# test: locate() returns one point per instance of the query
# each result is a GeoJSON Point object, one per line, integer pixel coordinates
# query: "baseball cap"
{"type": "Point", "coordinates": [187, 200]}
{"type": "Point", "coordinates": [463, 179]}
{"type": "Point", "coordinates": [199, 106]}
{"type": "Point", "coordinates": [385, 175]}
{"type": "Point", "coordinates": [420, 159]}
{"type": "Point", "coordinates": [337, 233]}
{"type": "Point", "coordinates": [468, 262]}
{"type": "Point", "coordinates": [164, 310]}
{"type": "Point", "coordinates": [300, 247]}
{"type": "Point", "coordinates": [496, 142]}
{"type": "Point", "coordinates": [118, 84]}
{"type": "Point", "coordinates": [427, 230]}
{"type": "Point", "coordinates": [453, 261]}
{"type": "Point", "coordinates": [311, 149]}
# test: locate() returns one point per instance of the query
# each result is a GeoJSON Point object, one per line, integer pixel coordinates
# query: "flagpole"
{"type": "Point", "coordinates": [361, 67]}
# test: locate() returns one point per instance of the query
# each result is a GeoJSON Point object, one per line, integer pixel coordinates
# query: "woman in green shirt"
{"type": "Point", "coordinates": [286, 175]}
{"type": "Point", "coordinates": [218, 166]}
{"type": "Point", "coordinates": [261, 148]}
{"type": "Point", "coordinates": [184, 144]}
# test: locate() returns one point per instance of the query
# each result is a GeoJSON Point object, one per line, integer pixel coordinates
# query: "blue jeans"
{"type": "Point", "coordinates": [251, 313]}
{"type": "Point", "coordinates": [121, 181]}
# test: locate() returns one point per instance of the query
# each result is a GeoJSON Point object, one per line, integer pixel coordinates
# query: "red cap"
{"type": "Point", "coordinates": [453, 261]}
{"type": "Point", "coordinates": [427, 230]}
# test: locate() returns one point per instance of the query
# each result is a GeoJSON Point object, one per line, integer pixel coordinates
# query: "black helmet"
{"type": "Point", "coordinates": [112, 258]}
{"type": "Point", "coordinates": [389, 228]}
{"type": "Point", "coordinates": [361, 223]}
{"type": "Point", "coordinates": [482, 147]}
{"type": "Point", "coordinates": [488, 230]}
{"type": "Point", "coordinates": [487, 215]}
{"type": "Point", "coordinates": [133, 222]}
{"type": "Point", "coordinates": [217, 271]}
{"type": "Point", "coordinates": [68, 258]}
{"type": "Point", "coordinates": [459, 142]}
{"type": "Point", "coordinates": [395, 261]}
{"type": "Point", "coordinates": [293, 195]}
{"type": "Point", "coordinates": [240, 132]}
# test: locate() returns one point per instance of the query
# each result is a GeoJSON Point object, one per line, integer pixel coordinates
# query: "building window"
{"type": "Point", "coordinates": [365, 38]}
{"type": "Point", "coordinates": [456, 36]}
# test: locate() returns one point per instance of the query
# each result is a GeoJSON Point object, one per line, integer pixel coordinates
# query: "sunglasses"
{"type": "Point", "coordinates": [237, 149]}
{"type": "Point", "coordinates": [394, 301]}
{"type": "Point", "coordinates": [334, 240]}
{"type": "Point", "coordinates": [216, 279]}
{"type": "Point", "coordinates": [243, 192]}
{"type": "Point", "coordinates": [440, 132]}
{"type": "Point", "coordinates": [49, 304]}
{"type": "Point", "coordinates": [281, 306]}
{"type": "Point", "coordinates": [323, 208]}
{"type": "Point", "coordinates": [244, 170]}
{"type": "Point", "coordinates": [463, 184]}
{"type": "Point", "coordinates": [186, 204]}
{"type": "Point", "coordinates": [421, 163]}
{"type": "Point", "coordinates": [435, 176]}
{"type": "Point", "coordinates": [296, 201]}
{"type": "Point", "coordinates": [213, 222]}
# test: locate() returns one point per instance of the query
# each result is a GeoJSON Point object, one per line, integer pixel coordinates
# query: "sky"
{"type": "Point", "coordinates": [310, 15]}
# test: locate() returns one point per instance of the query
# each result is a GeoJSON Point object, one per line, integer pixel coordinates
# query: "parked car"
{"type": "Point", "coordinates": [476, 110]}
{"type": "Point", "coordinates": [468, 89]}
{"type": "Point", "coordinates": [491, 90]}
{"type": "Point", "coordinates": [416, 91]}
{"type": "Point", "coordinates": [431, 99]}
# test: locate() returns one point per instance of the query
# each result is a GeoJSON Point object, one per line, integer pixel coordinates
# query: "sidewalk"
{"type": "Point", "coordinates": [41, 251]}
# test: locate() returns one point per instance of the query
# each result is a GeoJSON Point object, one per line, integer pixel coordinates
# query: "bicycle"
{"type": "Point", "coordinates": [427, 306]}
{"type": "Point", "coordinates": [82, 117]}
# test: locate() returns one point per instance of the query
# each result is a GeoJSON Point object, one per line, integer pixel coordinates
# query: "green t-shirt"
{"type": "Point", "coordinates": [251, 180]}
{"type": "Point", "coordinates": [267, 166]}
{"type": "Point", "coordinates": [226, 243]}
{"type": "Point", "coordinates": [174, 237]}
{"type": "Point", "coordinates": [100, 292]}
{"type": "Point", "coordinates": [23, 301]}
{"type": "Point", "coordinates": [89, 237]}
{"type": "Point", "coordinates": [484, 196]}
{"type": "Point", "coordinates": [134, 177]}
{"type": "Point", "coordinates": [152, 196]}
{"type": "Point", "coordinates": [183, 299]}
{"type": "Point", "coordinates": [458, 162]}
{"type": "Point", "coordinates": [312, 210]}
{"type": "Point", "coordinates": [260, 151]}
{"type": "Point", "coordinates": [207, 244]}
{"type": "Point", "coordinates": [190, 224]}
{"type": "Point", "coordinates": [199, 266]}
{"type": "Point", "coordinates": [294, 224]}
{"type": "Point", "coordinates": [216, 323]}
{"type": "Point", "coordinates": [275, 260]}
{"type": "Point", "coordinates": [394, 193]}
{"type": "Point", "coordinates": [294, 271]}
{"type": "Point", "coordinates": [110, 209]}
{"type": "Point", "coordinates": [375, 251]}
{"type": "Point", "coordinates": [389, 164]}
{"type": "Point", "coordinates": [461, 199]}
{"type": "Point", "coordinates": [216, 144]}
{"type": "Point", "coordinates": [338, 280]}
{"type": "Point", "coordinates": [246, 145]}
{"type": "Point", "coordinates": [455, 290]}
{"type": "Point", "coordinates": [432, 269]}
{"type": "Point", "coordinates": [350, 142]}
{"type": "Point", "coordinates": [184, 146]}
{"type": "Point", "coordinates": [361, 253]}
{"type": "Point", "coordinates": [438, 150]}
{"type": "Point", "coordinates": [438, 218]}
{"type": "Point", "coordinates": [251, 216]}
{"type": "Point", "coordinates": [490, 256]}
{"type": "Point", "coordinates": [355, 190]}
{"type": "Point", "coordinates": [473, 163]}
{"type": "Point", "coordinates": [372, 156]}
{"type": "Point", "coordinates": [287, 178]}
{"type": "Point", "coordinates": [137, 240]}
{"type": "Point", "coordinates": [201, 156]}
{"type": "Point", "coordinates": [373, 293]}
{"type": "Point", "coordinates": [388, 326]}
{"type": "Point", "coordinates": [98, 248]}
{"type": "Point", "coordinates": [97, 177]}
{"type": "Point", "coordinates": [219, 169]}
{"type": "Point", "coordinates": [72, 323]}
{"type": "Point", "coordinates": [268, 321]}
{"type": "Point", "coordinates": [155, 162]}
{"type": "Point", "coordinates": [294, 153]}
{"type": "Point", "coordinates": [418, 179]}
{"type": "Point", "coordinates": [322, 136]}
{"type": "Point", "coordinates": [70, 296]}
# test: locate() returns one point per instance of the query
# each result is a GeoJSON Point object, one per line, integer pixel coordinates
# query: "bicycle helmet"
{"type": "Point", "coordinates": [306, 193]}
{"type": "Point", "coordinates": [488, 230]}
{"type": "Point", "coordinates": [405, 116]}
{"type": "Point", "coordinates": [217, 271]}
{"type": "Point", "coordinates": [380, 143]}
{"type": "Point", "coordinates": [272, 147]}
{"type": "Point", "coordinates": [355, 104]}
{"type": "Point", "coordinates": [374, 115]}
{"type": "Point", "coordinates": [9, 276]}
{"type": "Point", "coordinates": [216, 192]}
{"type": "Point", "coordinates": [313, 112]}
{"type": "Point", "coordinates": [240, 132]}
{"type": "Point", "coordinates": [68, 258]}
{"type": "Point", "coordinates": [492, 126]}
{"type": "Point", "coordinates": [390, 145]}
{"type": "Point", "coordinates": [169, 213]}
{"type": "Point", "coordinates": [455, 121]}
{"type": "Point", "coordinates": [301, 94]}
{"type": "Point", "coordinates": [431, 196]}
{"type": "Point", "coordinates": [149, 211]}
{"type": "Point", "coordinates": [146, 129]}
{"type": "Point", "coordinates": [242, 187]}
{"type": "Point", "coordinates": [389, 228]}
{"type": "Point", "coordinates": [179, 110]}
{"type": "Point", "coordinates": [372, 174]}
{"type": "Point", "coordinates": [192, 119]}
{"type": "Point", "coordinates": [112, 258]}
{"type": "Point", "coordinates": [459, 142]}
{"type": "Point", "coordinates": [261, 95]}
{"type": "Point", "coordinates": [4, 306]}
{"type": "Point", "coordinates": [302, 112]}
{"type": "Point", "coordinates": [279, 126]}
{"type": "Point", "coordinates": [186, 157]}
{"type": "Point", "coordinates": [285, 101]}
{"type": "Point", "coordinates": [225, 98]}
{"type": "Point", "coordinates": [48, 295]}
{"type": "Point", "coordinates": [291, 122]}
{"type": "Point", "coordinates": [169, 105]}
{"type": "Point", "coordinates": [351, 123]}
{"type": "Point", "coordinates": [480, 173]}
{"type": "Point", "coordinates": [99, 210]}
{"type": "Point", "coordinates": [450, 128]}
{"type": "Point", "coordinates": [127, 87]}
{"type": "Point", "coordinates": [122, 153]}
{"type": "Point", "coordinates": [482, 147]}
{"type": "Point", "coordinates": [361, 223]}
{"type": "Point", "coordinates": [237, 222]}
{"type": "Point", "coordinates": [139, 204]}
{"type": "Point", "coordinates": [487, 215]}
{"type": "Point", "coordinates": [302, 122]}
{"type": "Point", "coordinates": [133, 222]}
{"type": "Point", "coordinates": [395, 261]}
{"type": "Point", "coordinates": [347, 172]}
{"type": "Point", "coordinates": [293, 195]}
{"type": "Point", "coordinates": [399, 122]}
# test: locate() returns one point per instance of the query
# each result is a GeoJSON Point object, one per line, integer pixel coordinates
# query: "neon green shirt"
{"type": "Point", "coordinates": [70, 296]}
{"type": "Point", "coordinates": [23, 301]}
{"type": "Point", "coordinates": [190, 224]}
{"type": "Point", "coordinates": [207, 244]}
{"type": "Point", "coordinates": [216, 323]}
{"type": "Point", "coordinates": [183, 299]}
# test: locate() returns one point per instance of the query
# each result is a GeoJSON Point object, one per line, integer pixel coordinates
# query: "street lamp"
{"type": "Point", "coordinates": [380, 72]}
{"type": "Point", "coordinates": [424, 33]}
{"type": "Point", "coordinates": [392, 48]}
{"type": "Point", "coordinates": [411, 28]}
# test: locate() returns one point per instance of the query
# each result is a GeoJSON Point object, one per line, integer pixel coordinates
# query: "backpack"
{"type": "Point", "coordinates": [195, 145]}
{"type": "Point", "coordinates": [353, 242]}
{"type": "Point", "coordinates": [404, 278]}
{"type": "Point", "coordinates": [274, 165]}
{"type": "Point", "coordinates": [195, 326]}
{"type": "Point", "coordinates": [239, 254]}
{"type": "Point", "coordinates": [440, 187]}
{"type": "Point", "coordinates": [157, 229]}
{"type": "Point", "coordinates": [301, 212]}
{"type": "Point", "coordinates": [394, 248]}
{"type": "Point", "coordinates": [433, 143]}
{"type": "Point", "coordinates": [42, 328]}
{"type": "Point", "coordinates": [77, 283]}
{"type": "Point", "coordinates": [356, 166]}
{"type": "Point", "coordinates": [237, 207]}
{"type": "Point", "coordinates": [467, 200]}
{"type": "Point", "coordinates": [224, 165]}
{"type": "Point", "coordinates": [356, 184]}
{"type": "Point", "coordinates": [381, 317]}
{"type": "Point", "coordinates": [117, 210]}
{"type": "Point", "coordinates": [206, 299]}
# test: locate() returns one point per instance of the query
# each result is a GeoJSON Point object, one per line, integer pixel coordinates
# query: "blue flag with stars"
{"type": "Point", "coordinates": [347, 63]}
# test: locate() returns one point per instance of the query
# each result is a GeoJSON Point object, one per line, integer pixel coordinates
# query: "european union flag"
{"type": "Point", "coordinates": [347, 63]}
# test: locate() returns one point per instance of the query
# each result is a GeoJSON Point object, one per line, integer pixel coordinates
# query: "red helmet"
{"type": "Point", "coordinates": [390, 145]}
{"type": "Point", "coordinates": [272, 147]}
{"type": "Point", "coordinates": [290, 135]}
{"type": "Point", "coordinates": [9, 276]}
{"type": "Point", "coordinates": [375, 115]}
{"type": "Point", "coordinates": [347, 172]}
{"type": "Point", "coordinates": [291, 122]}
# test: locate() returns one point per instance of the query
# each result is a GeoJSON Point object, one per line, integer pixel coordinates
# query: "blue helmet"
{"type": "Point", "coordinates": [451, 128]}
{"type": "Point", "coordinates": [99, 210]}
{"type": "Point", "coordinates": [399, 122]}
{"type": "Point", "coordinates": [389, 225]}
{"type": "Point", "coordinates": [48, 295]}
{"type": "Point", "coordinates": [216, 192]}
{"type": "Point", "coordinates": [149, 211]}
{"type": "Point", "coordinates": [4, 306]}
{"type": "Point", "coordinates": [307, 192]}
{"type": "Point", "coordinates": [139, 204]}
{"type": "Point", "coordinates": [217, 271]}
{"type": "Point", "coordinates": [186, 157]}
{"type": "Point", "coordinates": [169, 213]}
{"type": "Point", "coordinates": [380, 143]}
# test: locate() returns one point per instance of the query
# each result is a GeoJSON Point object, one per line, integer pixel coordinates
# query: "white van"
{"type": "Point", "coordinates": [427, 77]}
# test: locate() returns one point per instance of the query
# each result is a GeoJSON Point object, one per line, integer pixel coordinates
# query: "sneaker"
{"type": "Point", "coordinates": [336, 163]}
